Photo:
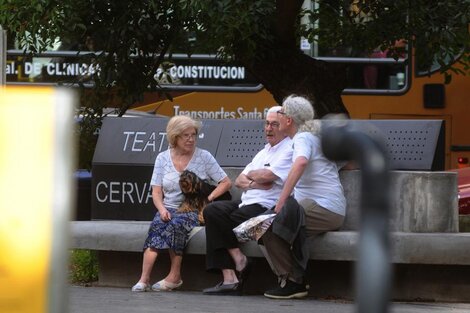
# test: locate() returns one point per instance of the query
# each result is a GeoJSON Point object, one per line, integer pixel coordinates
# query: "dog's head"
{"type": "Point", "coordinates": [190, 183]}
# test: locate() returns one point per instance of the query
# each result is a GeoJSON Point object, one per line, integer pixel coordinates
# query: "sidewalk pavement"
{"type": "Point", "coordinates": [122, 300]}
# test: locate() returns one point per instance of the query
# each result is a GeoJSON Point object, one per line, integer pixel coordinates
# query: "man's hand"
{"type": "Point", "coordinates": [264, 186]}
{"type": "Point", "coordinates": [279, 206]}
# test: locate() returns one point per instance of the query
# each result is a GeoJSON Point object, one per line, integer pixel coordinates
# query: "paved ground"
{"type": "Point", "coordinates": [121, 300]}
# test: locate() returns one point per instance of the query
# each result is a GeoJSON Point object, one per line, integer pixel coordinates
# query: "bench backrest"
{"type": "Point", "coordinates": [127, 148]}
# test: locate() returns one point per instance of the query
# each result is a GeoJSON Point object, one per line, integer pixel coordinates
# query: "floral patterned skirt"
{"type": "Point", "coordinates": [173, 234]}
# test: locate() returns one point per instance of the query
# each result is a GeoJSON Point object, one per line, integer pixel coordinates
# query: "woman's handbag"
{"type": "Point", "coordinates": [253, 228]}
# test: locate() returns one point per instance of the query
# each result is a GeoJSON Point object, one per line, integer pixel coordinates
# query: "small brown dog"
{"type": "Point", "coordinates": [196, 191]}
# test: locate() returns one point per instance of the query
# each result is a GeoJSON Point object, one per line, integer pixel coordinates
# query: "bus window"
{"type": "Point", "coordinates": [377, 72]}
{"type": "Point", "coordinates": [425, 68]}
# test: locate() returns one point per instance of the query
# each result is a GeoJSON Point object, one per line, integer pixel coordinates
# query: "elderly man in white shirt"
{"type": "Point", "coordinates": [261, 181]}
{"type": "Point", "coordinates": [311, 202]}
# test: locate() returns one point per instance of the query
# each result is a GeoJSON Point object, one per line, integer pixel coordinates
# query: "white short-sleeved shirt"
{"type": "Point", "coordinates": [203, 164]}
{"type": "Point", "coordinates": [320, 180]}
{"type": "Point", "coordinates": [277, 159]}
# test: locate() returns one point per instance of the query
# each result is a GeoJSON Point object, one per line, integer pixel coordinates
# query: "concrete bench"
{"type": "Point", "coordinates": [407, 248]}
{"type": "Point", "coordinates": [425, 243]}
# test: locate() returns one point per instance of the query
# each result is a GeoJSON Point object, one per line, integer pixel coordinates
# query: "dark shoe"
{"type": "Point", "coordinates": [245, 272]}
{"type": "Point", "coordinates": [290, 290]}
{"type": "Point", "coordinates": [221, 289]}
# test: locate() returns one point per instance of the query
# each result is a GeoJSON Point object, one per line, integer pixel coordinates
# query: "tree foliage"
{"type": "Point", "coordinates": [438, 29]}
{"type": "Point", "coordinates": [127, 40]}
{"type": "Point", "coordinates": [137, 34]}
{"type": "Point", "coordinates": [131, 38]}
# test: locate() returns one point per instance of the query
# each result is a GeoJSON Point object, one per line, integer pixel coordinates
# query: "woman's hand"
{"type": "Point", "coordinates": [223, 186]}
{"type": "Point", "coordinates": [165, 215]}
{"type": "Point", "coordinates": [157, 197]}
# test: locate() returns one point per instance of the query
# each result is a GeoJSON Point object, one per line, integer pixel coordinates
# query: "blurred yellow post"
{"type": "Point", "coordinates": [36, 181]}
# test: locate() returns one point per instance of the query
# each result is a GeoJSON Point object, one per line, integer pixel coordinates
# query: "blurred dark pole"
{"type": "Point", "coordinates": [373, 270]}
{"type": "Point", "coordinates": [3, 56]}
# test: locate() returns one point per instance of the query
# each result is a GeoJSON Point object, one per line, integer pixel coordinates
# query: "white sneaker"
{"type": "Point", "coordinates": [140, 287]}
{"type": "Point", "coordinates": [163, 285]}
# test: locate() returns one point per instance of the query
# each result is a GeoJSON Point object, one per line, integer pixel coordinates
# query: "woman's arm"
{"type": "Point", "coordinates": [223, 186]}
{"type": "Point", "coordinates": [157, 197]}
{"type": "Point", "coordinates": [295, 173]}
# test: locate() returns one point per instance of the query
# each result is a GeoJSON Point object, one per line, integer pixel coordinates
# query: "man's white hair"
{"type": "Point", "coordinates": [274, 109]}
{"type": "Point", "coordinates": [300, 109]}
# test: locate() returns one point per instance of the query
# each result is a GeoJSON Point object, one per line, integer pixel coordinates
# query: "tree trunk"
{"type": "Point", "coordinates": [284, 69]}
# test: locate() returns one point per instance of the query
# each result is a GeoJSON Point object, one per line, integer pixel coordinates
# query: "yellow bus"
{"type": "Point", "coordinates": [204, 87]}
{"type": "Point", "coordinates": [405, 93]}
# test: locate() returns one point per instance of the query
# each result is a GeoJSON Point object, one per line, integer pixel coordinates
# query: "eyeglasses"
{"type": "Point", "coordinates": [188, 136]}
{"type": "Point", "coordinates": [272, 124]}
{"type": "Point", "coordinates": [281, 112]}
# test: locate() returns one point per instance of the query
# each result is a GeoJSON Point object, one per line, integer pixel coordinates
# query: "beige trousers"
{"type": "Point", "coordinates": [278, 252]}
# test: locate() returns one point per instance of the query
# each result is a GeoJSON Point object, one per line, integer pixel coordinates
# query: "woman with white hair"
{"type": "Point", "coordinates": [311, 202]}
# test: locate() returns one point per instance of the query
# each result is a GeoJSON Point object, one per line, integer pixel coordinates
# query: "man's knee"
{"type": "Point", "coordinates": [217, 208]}
{"type": "Point", "coordinates": [209, 210]}
{"type": "Point", "coordinates": [270, 239]}
{"type": "Point", "coordinates": [292, 204]}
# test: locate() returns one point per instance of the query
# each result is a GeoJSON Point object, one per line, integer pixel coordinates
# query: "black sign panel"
{"type": "Point", "coordinates": [180, 72]}
{"type": "Point", "coordinates": [122, 192]}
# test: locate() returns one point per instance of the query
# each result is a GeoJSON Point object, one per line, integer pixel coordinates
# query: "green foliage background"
{"type": "Point", "coordinates": [83, 267]}
{"type": "Point", "coordinates": [132, 37]}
